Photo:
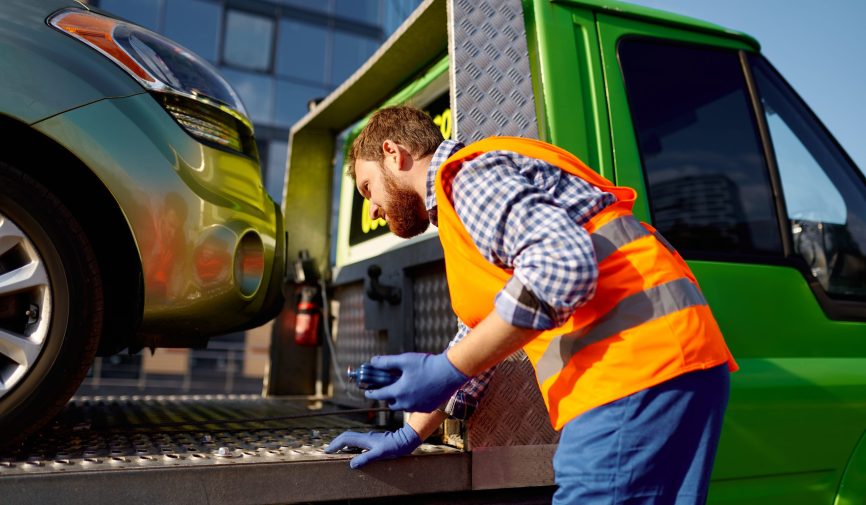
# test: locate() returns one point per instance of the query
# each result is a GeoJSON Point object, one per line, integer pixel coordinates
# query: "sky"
{"type": "Point", "coordinates": [817, 45]}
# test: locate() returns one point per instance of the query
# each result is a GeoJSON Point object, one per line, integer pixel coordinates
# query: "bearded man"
{"type": "Point", "coordinates": [543, 254]}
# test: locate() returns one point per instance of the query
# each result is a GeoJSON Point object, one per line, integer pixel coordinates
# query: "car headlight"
{"type": "Point", "coordinates": [189, 88]}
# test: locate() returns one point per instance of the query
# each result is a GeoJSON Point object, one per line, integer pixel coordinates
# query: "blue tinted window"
{"type": "Point", "coordinates": [301, 51]}
{"type": "Point", "coordinates": [275, 172]}
{"type": "Point", "coordinates": [256, 92]}
{"type": "Point", "coordinates": [367, 11]}
{"type": "Point", "coordinates": [350, 51]}
{"type": "Point", "coordinates": [311, 5]}
{"type": "Point", "coordinates": [292, 100]}
{"type": "Point", "coordinates": [248, 40]}
{"type": "Point", "coordinates": [194, 24]}
{"type": "Point", "coordinates": [395, 12]}
{"type": "Point", "coordinates": [142, 12]}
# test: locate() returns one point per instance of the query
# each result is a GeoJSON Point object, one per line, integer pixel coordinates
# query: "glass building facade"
{"type": "Point", "coordinates": [278, 55]}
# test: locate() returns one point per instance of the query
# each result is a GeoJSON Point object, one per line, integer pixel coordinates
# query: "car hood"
{"type": "Point", "coordinates": [47, 72]}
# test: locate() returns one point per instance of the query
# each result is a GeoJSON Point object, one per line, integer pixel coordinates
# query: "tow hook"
{"type": "Point", "coordinates": [378, 291]}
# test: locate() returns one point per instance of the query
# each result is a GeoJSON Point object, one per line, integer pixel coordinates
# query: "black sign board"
{"type": "Point", "coordinates": [362, 227]}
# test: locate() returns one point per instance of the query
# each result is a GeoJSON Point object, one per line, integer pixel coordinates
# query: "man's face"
{"type": "Point", "coordinates": [395, 202]}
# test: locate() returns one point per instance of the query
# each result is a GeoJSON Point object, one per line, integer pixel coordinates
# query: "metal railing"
{"type": "Point", "coordinates": [218, 369]}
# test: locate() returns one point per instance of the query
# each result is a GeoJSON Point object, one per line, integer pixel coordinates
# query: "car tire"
{"type": "Point", "coordinates": [51, 305]}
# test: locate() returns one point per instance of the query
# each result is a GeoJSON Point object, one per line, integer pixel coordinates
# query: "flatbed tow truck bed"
{"type": "Point", "coordinates": [213, 449]}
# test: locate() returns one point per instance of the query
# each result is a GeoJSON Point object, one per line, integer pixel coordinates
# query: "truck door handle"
{"type": "Point", "coordinates": [378, 291]}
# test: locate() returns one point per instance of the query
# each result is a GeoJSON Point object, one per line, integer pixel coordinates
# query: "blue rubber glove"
{"type": "Point", "coordinates": [380, 445]}
{"type": "Point", "coordinates": [427, 381]}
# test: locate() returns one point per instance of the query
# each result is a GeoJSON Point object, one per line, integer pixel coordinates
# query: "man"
{"type": "Point", "coordinates": [542, 253]}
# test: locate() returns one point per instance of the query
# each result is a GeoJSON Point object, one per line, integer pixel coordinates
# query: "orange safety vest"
{"type": "Point", "coordinates": [647, 323]}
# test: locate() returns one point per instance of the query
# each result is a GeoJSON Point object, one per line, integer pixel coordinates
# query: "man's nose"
{"type": "Point", "coordinates": [374, 211]}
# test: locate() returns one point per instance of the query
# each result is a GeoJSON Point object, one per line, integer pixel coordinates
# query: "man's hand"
{"type": "Point", "coordinates": [427, 381]}
{"type": "Point", "coordinates": [380, 445]}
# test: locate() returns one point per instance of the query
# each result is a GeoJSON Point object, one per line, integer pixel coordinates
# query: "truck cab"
{"type": "Point", "coordinates": [730, 165]}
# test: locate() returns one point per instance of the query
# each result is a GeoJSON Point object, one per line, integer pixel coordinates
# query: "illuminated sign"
{"type": "Point", "coordinates": [362, 227]}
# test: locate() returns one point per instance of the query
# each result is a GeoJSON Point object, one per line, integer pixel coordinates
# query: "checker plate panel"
{"type": "Point", "coordinates": [491, 85]}
{"type": "Point", "coordinates": [492, 91]}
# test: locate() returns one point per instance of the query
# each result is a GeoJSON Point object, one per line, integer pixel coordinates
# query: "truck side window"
{"type": "Point", "coordinates": [707, 179]}
{"type": "Point", "coordinates": [825, 195]}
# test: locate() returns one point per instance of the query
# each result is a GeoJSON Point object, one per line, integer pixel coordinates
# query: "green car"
{"type": "Point", "coordinates": [132, 209]}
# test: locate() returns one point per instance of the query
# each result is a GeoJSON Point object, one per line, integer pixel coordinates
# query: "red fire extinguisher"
{"type": "Point", "coordinates": [307, 317]}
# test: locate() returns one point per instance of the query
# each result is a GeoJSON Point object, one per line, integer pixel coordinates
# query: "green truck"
{"type": "Point", "coordinates": [730, 165]}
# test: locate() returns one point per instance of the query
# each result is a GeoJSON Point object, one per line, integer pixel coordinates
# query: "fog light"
{"type": "Point", "coordinates": [249, 263]}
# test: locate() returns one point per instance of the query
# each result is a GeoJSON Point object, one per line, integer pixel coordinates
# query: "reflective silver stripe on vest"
{"type": "Point", "coordinates": [615, 234]}
{"type": "Point", "coordinates": [630, 312]}
{"type": "Point", "coordinates": [664, 242]}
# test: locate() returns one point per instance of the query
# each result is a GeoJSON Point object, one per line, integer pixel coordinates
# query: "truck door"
{"type": "Point", "coordinates": [771, 215]}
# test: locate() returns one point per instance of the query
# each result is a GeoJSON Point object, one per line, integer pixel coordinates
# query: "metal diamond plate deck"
{"type": "Point", "coordinates": [115, 433]}
{"type": "Point", "coordinates": [209, 450]}
{"type": "Point", "coordinates": [491, 84]}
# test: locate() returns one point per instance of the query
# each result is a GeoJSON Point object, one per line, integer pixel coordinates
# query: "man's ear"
{"type": "Point", "coordinates": [389, 148]}
{"type": "Point", "coordinates": [395, 152]}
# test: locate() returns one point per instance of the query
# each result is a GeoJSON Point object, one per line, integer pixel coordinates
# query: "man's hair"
{"type": "Point", "coordinates": [410, 127]}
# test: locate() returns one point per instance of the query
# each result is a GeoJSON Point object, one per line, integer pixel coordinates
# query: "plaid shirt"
{"type": "Point", "coordinates": [524, 215]}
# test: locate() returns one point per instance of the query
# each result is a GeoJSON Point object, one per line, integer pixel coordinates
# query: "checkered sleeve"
{"type": "Point", "coordinates": [524, 216]}
{"type": "Point", "coordinates": [464, 402]}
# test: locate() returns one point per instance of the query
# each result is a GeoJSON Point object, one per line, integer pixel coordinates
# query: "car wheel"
{"type": "Point", "coordinates": [51, 305]}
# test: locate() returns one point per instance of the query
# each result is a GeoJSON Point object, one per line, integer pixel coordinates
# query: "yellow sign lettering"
{"type": "Point", "coordinates": [367, 224]}
{"type": "Point", "coordinates": [443, 121]}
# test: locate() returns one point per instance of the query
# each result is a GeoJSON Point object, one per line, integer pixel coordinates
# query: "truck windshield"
{"type": "Point", "coordinates": [825, 194]}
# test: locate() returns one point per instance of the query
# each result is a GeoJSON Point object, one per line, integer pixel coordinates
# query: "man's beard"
{"type": "Point", "coordinates": [405, 210]}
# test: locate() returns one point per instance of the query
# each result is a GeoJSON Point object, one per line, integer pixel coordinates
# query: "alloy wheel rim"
{"type": "Point", "coordinates": [25, 305]}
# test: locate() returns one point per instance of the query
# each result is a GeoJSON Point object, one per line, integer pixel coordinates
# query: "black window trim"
{"type": "Point", "coordinates": [763, 130]}
{"type": "Point", "coordinates": [835, 308]}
